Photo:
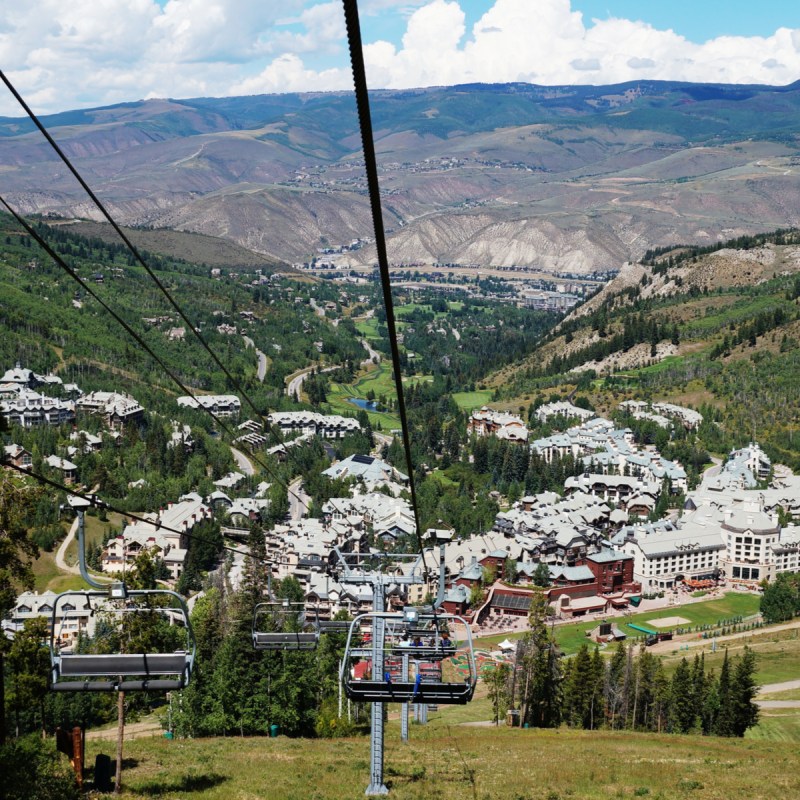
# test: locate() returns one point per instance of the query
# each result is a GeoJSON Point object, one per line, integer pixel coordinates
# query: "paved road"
{"type": "Point", "coordinates": [262, 366]}
{"type": "Point", "coordinates": [262, 358]}
{"type": "Point", "coordinates": [299, 501]}
{"type": "Point", "coordinates": [374, 356]}
{"type": "Point", "coordinates": [778, 703]}
{"type": "Point", "coordinates": [296, 383]}
{"type": "Point", "coordinates": [785, 686]}
{"type": "Point", "coordinates": [318, 310]}
{"type": "Point", "coordinates": [243, 462]}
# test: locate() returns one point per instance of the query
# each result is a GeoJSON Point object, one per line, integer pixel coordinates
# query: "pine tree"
{"type": "Point", "coordinates": [743, 691]}
{"type": "Point", "coordinates": [578, 690]}
{"type": "Point", "coordinates": [541, 669]}
{"type": "Point", "coordinates": [723, 725]}
{"type": "Point", "coordinates": [612, 689]}
{"type": "Point", "coordinates": [682, 712]}
{"type": "Point", "coordinates": [597, 706]}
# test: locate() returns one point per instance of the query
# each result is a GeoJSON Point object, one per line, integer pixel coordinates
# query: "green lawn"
{"type": "Point", "coordinates": [96, 531]}
{"type": "Point", "coordinates": [378, 380]}
{"type": "Point", "coordinates": [571, 636]}
{"type": "Point", "coordinates": [777, 652]}
{"type": "Point", "coordinates": [368, 328]}
{"type": "Point", "coordinates": [45, 571]}
{"type": "Point", "coordinates": [47, 577]}
{"type": "Point", "coordinates": [468, 401]}
{"type": "Point", "coordinates": [439, 476]}
{"type": "Point", "coordinates": [776, 725]}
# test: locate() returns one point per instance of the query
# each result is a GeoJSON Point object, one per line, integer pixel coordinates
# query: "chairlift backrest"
{"type": "Point", "coordinates": [108, 672]}
{"type": "Point", "coordinates": [285, 626]}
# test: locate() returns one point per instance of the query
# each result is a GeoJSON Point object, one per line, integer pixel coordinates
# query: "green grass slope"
{"type": "Point", "coordinates": [444, 762]}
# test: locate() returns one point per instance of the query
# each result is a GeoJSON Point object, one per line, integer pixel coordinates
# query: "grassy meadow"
{"type": "Point", "coordinates": [448, 761]}
{"type": "Point", "coordinates": [460, 754]}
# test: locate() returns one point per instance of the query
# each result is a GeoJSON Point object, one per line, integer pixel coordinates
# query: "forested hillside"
{"type": "Point", "coordinates": [715, 328]}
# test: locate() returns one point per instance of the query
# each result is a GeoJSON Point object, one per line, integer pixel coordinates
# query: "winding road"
{"type": "Point", "coordinates": [374, 355]}
{"type": "Point", "coordinates": [243, 462]}
{"type": "Point", "coordinates": [62, 551]}
{"type": "Point", "coordinates": [262, 359]}
{"type": "Point", "coordinates": [295, 385]}
{"type": "Point", "coordinates": [299, 501]}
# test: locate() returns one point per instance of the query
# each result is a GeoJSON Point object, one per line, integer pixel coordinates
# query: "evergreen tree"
{"type": "Point", "coordinates": [541, 669]}
{"type": "Point", "coordinates": [29, 665]}
{"type": "Point", "coordinates": [614, 686]}
{"type": "Point", "coordinates": [682, 704]}
{"type": "Point", "coordinates": [579, 690]}
{"type": "Point", "coordinates": [724, 724]}
{"type": "Point", "coordinates": [743, 691]}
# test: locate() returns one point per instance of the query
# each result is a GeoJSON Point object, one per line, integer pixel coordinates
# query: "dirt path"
{"type": "Point", "coordinates": [62, 551]}
{"type": "Point", "coordinates": [136, 730]}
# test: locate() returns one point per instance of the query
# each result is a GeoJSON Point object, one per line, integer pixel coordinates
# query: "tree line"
{"type": "Point", "coordinates": [628, 691]}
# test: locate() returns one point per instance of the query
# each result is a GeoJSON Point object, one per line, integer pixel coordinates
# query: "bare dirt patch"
{"type": "Point", "coordinates": [667, 622]}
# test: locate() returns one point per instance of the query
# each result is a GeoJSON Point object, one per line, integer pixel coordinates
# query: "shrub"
{"type": "Point", "coordinates": [32, 769]}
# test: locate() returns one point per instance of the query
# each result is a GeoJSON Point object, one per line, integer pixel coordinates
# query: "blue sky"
{"type": "Point", "coordinates": [697, 20]}
{"type": "Point", "coordinates": [96, 52]}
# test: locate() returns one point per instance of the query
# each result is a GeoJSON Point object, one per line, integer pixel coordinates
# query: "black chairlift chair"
{"type": "Point", "coordinates": [284, 625]}
{"type": "Point", "coordinates": [394, 657]}
{"type": "Point", "coordinates": [110, 672]}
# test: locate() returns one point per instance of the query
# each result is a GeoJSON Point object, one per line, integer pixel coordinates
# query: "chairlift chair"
{"type": "Point", "coordinates": [414, 655]}
{"type": "Point", "coordinates": [128, 672]}
{"type": "Point", "coordinates": [284, 625]}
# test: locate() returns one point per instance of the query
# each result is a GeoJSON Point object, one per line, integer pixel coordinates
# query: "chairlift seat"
{"type": "Point", "coordinates": [281, 615]}
{"type": "Point", "coordinates": [394, 650]}
{"type": "Point", "coordinates": [285, 640]}
{"type": "Point", "coordinates": [116, 666]}
{"type": "Point", "coordinates": [370, 691]}
{"type": "Point", "coordinates": [128, 672]}
{"type": "Point", "coordinates": [334, 626]}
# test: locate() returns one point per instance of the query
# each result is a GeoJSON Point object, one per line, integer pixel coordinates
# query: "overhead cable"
{"type": "Point", "coordinates": [371, 166]}
{"type": "Point", "coordinates": [134, 251]}
{"type": "Point", "coordinates": [98, 503]}
{"type": "Point", "coordinates": [143, 344]}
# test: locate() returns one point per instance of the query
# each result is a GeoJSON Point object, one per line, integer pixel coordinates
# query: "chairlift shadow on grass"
{"type": "Point", "coordinates": [399, 776]}
{"type": "Point", "coordinates": [187, 783]}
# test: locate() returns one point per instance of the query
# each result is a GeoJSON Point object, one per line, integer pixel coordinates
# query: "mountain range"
{"type": "Point", "coordinates": [565, 178]}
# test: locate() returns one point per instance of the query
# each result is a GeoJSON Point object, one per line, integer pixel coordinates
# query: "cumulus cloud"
{"type": "Point", "coordinates": [641, 63]}
{"type": "Point", "coordinates": [585, 64]}
{"type": "Point", "coordinates": [93, 52]}
{"type": "Point", "coordinates": [287, 74]}
{"type": "Point", "coordinates": [324, 31]}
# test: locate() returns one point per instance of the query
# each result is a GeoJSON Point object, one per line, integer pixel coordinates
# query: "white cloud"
{"type": "Point", "coordinates": [93, 52]}
{"type": "Point", "coordinates": [287, 74]}
{"type": "Point", "coordinates": [325, 31]}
